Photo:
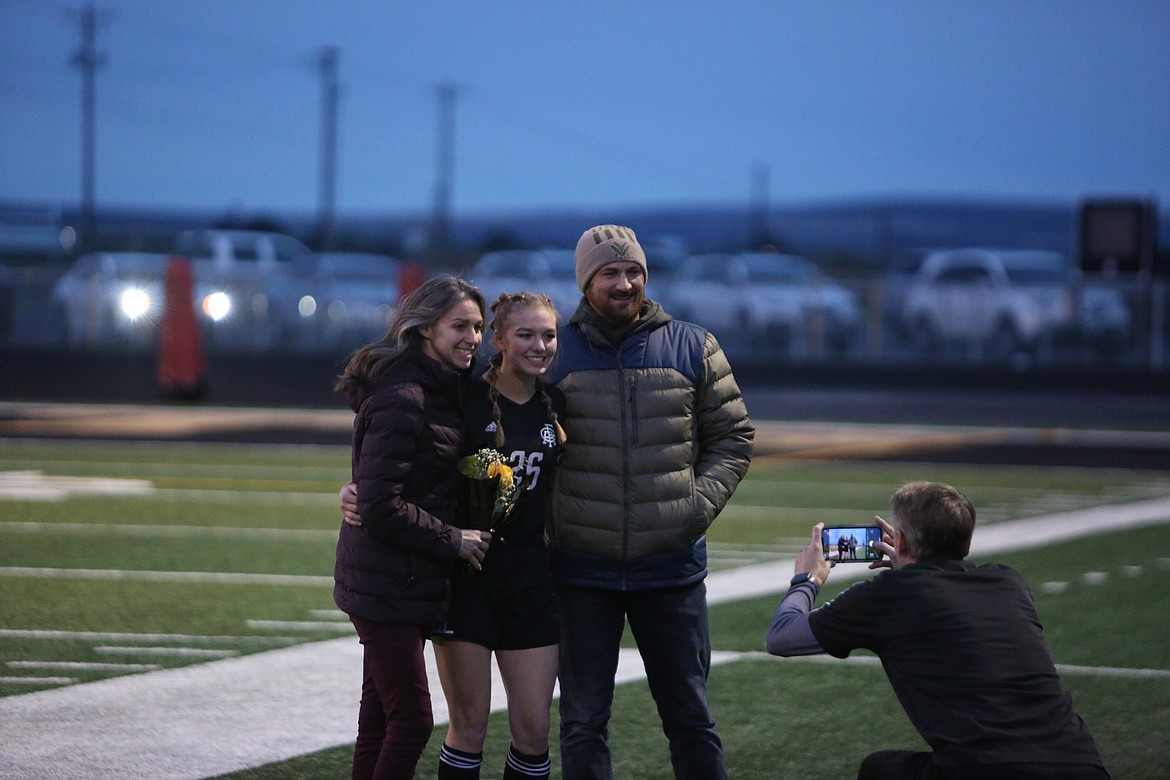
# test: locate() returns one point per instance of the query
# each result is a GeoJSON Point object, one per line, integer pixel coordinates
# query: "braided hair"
{"type": "Point", "coordinates": [503, 308]}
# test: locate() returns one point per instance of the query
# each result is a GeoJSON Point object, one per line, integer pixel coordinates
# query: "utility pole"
{"type": "Point", "coordinates": [440, 243]}
{"type": "Point", "coordinates": [761, 233]}
{"type": "Point", "coordinates": [330, 92]}
{"type": "Point", "coordinates": [88, 59]}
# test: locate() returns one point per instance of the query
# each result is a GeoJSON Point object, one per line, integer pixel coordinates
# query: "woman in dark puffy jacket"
{"type": "Point", "coordinates": [391, 575]}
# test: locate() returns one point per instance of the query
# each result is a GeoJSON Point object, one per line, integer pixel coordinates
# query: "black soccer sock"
{"type": "Point", "coordinates": [521, 766]}
{"type": "Point", "coordinates": [458, 765]}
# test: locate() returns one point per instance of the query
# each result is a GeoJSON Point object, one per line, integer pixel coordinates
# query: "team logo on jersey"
{"type": "Point", "coordinates": [548, 435]}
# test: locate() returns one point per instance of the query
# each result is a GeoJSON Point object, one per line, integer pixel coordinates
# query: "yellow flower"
{"type": "Point", "coordinates": [501, 470]}
{"type": "Point", "coordinates": [493, 489]}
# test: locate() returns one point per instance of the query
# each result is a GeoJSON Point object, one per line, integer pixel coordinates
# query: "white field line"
{"type": "Point", "coordinates": [329, 614]}
{"type": "Point", "coordinates": [181, 531]}
{"type": "Point", "coordinates": [84, 666]}
{"type": "Point", "coordinates": [1112, 671]}
{"type": "Point", "coordinates": [163, 468]}
{"type": "Point", "coordinates": [55, 494]}
{"type": "Point", "coordinates": [30, 681]}
{"type": "Point", "coordinates": [201, 577]}
{"type": "Point", "coordinates": [324, 498]}
{"type": "Point", "coordinates": [177, 652]}
{"type": "Point", "coordinates": [299, 625]}
{"type": "Point", "coordinates": [38, 486]}
{"type": "Point", "coordinates": [125, 636]}
{"type": "Point", "coordinates": [730, 559]}
{"type": "Point", "coordinates": [872, 660]}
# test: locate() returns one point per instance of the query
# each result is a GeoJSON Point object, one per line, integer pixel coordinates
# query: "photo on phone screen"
{"type": "Point", "coordinates": [851, 543]}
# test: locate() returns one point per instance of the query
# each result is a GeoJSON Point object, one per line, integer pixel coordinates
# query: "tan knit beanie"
{"type": "Point", "coordinates": [602, 245]}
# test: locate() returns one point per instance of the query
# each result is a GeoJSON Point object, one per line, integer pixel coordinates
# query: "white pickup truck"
{"type": "Point", "coordinates": [242, 295]}
{"type": "Point", "coordinates": [237, 283]}
{"type": "Point", "coordinates": [251, 290]}
{"type": "Point", "coordinates": [1008, 301]}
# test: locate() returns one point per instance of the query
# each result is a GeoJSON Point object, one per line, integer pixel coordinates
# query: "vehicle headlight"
{"type": "Point", "coordinates": [134, 303]}
{"type": "Point", "coordinates": [217, 305]}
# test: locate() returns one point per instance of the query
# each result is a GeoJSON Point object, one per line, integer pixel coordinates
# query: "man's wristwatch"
{"type": "Point", "coordinates": [804, 576]}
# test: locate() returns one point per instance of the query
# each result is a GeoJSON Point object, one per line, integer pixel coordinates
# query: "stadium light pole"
{"type": "Point", "coordinates": [440, 243]}
{"type": "Point", "coordinates": [330, 92]}
{"type": "Point", "coordinates": [88, 59]}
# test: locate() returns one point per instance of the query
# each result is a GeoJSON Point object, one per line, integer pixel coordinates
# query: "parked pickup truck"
{"type": "Point", "coordinates": [241, 295]}
{"type": "Point", "coordinates": [1008, 301]}
{"type": "Point", "coordinates": [252, 290]}
{"type": "Point", "coordinates": [236, 275]}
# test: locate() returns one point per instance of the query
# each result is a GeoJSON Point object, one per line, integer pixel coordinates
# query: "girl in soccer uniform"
{"type": "Point", "coordinates": [508, 606]}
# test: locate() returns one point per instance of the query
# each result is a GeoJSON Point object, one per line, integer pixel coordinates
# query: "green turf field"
{"type": "Point", "coordinates": [116, 557]}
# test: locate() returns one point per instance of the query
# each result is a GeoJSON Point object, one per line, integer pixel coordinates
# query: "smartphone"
{"type": "Point", "coordinates": [851, 543]}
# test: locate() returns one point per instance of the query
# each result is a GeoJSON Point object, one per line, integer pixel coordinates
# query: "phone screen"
{"type": "Point", "coordinates": [851, 543]}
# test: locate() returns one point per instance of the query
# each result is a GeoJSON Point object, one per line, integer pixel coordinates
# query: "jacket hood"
{"type": "Point", "coordinates": [421, 368]}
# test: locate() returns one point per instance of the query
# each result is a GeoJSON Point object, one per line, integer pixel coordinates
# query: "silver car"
{"type": "Point", "coordinates": [776, 301]}
{"type": "Point", "coordinates": [1005, 301]}
{"type": "Point", "coordinates": [338, 298]}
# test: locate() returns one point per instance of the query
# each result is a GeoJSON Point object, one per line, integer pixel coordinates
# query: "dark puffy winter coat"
{"type": "Point", "coordinates": [406, 437]}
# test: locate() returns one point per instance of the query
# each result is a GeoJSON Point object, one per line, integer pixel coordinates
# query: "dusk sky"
{"type": "Point", "coordinates": [216, 104]}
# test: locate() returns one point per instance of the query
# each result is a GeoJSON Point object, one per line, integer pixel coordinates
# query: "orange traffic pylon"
{"type": "Point", "coordinates": [181, 365]}
{"type": "Point", "coordinates": [410, 278]}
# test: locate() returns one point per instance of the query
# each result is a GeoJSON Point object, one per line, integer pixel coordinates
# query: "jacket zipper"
{"type": "Point", "coordinates": [629, 408]}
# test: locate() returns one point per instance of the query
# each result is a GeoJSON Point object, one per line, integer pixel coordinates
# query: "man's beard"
{"type": "Point", "coordinates": [619, 311]}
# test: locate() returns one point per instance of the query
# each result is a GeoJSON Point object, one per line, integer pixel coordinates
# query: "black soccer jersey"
{"type": "Point", "coordinates": [531, 447]}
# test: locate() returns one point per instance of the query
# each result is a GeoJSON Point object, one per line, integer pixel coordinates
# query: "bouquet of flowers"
{"type": "Point", "coordinates": [493, 489]}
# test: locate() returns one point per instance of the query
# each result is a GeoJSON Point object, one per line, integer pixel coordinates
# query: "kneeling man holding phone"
{"type": "Point", "coordinates": [961, 645]}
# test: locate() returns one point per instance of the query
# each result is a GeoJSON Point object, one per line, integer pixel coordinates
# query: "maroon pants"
{"type": "Point", "coordinates": [395, 719]}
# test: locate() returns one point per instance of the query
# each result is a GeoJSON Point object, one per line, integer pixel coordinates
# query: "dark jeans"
{"type": "Point", "coordinates": [910, 765]}
{"type": "Point", "coordinates": [395, 718]}
{"type": "Point", "coordinates": [670, 627]}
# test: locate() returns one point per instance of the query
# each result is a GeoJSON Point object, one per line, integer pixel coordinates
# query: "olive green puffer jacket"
{"type": "Point", "coordinates": [658, 439]}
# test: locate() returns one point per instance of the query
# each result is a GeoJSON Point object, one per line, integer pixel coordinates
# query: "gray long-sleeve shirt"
{"type": "Point", "coordinates": [789, 633]}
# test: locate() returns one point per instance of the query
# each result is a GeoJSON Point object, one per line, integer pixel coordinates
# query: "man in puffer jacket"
{"type": "Point", "coordinates": [658, 439]}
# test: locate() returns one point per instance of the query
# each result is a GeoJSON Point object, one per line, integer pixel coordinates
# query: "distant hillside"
{"type": "Point", "coordinates": [868, 233]}
{"type": "Point", "coordinates": [865, 234]}
{"type": "Point", "coordinates": [874, 234]}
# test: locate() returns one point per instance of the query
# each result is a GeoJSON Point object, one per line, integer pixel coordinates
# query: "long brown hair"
{"type": "Point", "coordinates": [503, 309]}
{"type": "Point", "coordinates": [369, 366]}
